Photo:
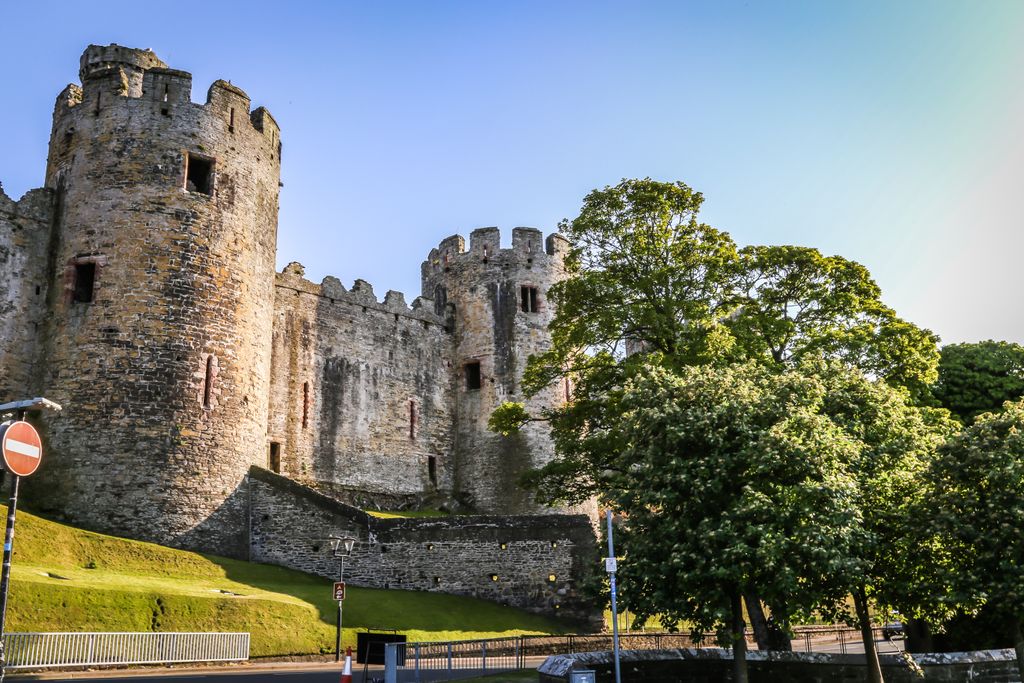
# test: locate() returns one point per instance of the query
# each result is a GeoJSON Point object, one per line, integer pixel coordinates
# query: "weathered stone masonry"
{"type": "Point", "coordinates": [529, 562]}
{"type": "Point", "coordinates": [141, 294]}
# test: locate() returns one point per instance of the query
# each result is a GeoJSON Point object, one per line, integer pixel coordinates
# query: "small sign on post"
{"type": "Point", "coordinates": [610, 565]}
{"type": "Point", "coordinates": [339, 590]}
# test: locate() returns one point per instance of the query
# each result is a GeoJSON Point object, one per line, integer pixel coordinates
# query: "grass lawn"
{"type": "Point", "coordinates": [66, 579]}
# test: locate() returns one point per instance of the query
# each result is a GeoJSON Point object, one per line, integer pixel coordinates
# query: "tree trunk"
{"type": "Point", "coordinates": [860, 602]}
{"type": "Point", "coordinates": [766, 629]}
{"type": "Point", "coordinates": [757, 620]}
{"type": "Point", "coordinates": [1018, 645]}
{"type": "Point", "coordinates": [739, 641]}
{"type": "Point", "coordinates": [919, 636]}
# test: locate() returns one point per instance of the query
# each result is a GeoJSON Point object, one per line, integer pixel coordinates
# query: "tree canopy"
{"type": "Point", "coordinates": [979, 378]}
{"type": "Point", "coordinates": [977, 498]}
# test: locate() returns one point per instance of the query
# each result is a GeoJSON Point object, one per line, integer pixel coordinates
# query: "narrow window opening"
{"type": "Point", "coordinates": [208, 382]}
{"type": "Point", "coordinates": [167, 91]}
{"type": "Point", "coordinates": [485, 253]}
{"type": "Point", "coordinates": [96, 112]}
{"type": "Point", "coordinates": [231, 120]}
{"type": "Point", "coordinates": [85, 282]}
{"type": "Point", "coordinates": [165, 111]}
{"type": "Point", "coordinates": [275, 457]}
{"type": "Point", "coordinates": [432, 469]}
{"type": "Point", "coordinates": [305, 404]}
{"type": "Point", "coordinates": [198, 174]}
{"type": "Point", "coordinates": [37, 290]}
{"type": "Point", "coordinates": [528, 299]}
{"type": "Point", "coordinates": [473, 375]}
{"type": "Point", "coordinates": [412, 420]}
{"type": "Point", "coordinates": [568, 390]}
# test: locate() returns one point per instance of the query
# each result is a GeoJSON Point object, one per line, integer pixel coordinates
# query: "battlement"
{"type": "Point", "coordinates": [361, 294]}
{"type": "Point", "coordinates": [485, 245]}
{"type": "Point", "coordinates": [35, 204]}
{"type": "Point", "coordinates": [110, 72]}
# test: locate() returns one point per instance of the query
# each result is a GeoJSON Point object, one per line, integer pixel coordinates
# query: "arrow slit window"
{"type": "Point", "coordinates": [528, 299]}
{"type": "Point", "coordinates": [209, 376]}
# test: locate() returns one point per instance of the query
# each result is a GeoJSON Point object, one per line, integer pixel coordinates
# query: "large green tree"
{"type": "Point", "coordinates": [793, 303]}
{"type": "Point", "coordinates": [977, 494]}
{"type": "Point", "coordinates": [896, 443]}
{"type": "Point", "coordinates": [731, 480]}
{"type": "Point", "coordinates": [979, 378]}
{"type": "Point", "coordinates": [650, 284]}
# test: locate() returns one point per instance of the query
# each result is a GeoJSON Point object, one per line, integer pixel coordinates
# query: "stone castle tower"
{"type": "Point", "coordinates": [208, 398]}
{"type": "Point", "coordinates": [499, 316]}
{"type": "Point", "coordinates": [157, 339]}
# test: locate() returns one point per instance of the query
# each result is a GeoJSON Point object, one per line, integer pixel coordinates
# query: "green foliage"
{"type": "Point", "coordinates": [795, 303]}
{"type": "Point", "coordinates": [977, 498]}
{"type": "Point", "coordinates": [732, 481]}
{"type": "Point", "coordinates": [66, 579]}
{"type": "Point", "coordinates": [979, 378]}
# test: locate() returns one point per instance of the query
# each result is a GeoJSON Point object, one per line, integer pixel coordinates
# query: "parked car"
{"type": "Point", "coordinates": [893, 630]}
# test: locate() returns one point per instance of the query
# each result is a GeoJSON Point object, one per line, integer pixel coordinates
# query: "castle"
{"type": "Point", "coordinates": [211, 403]}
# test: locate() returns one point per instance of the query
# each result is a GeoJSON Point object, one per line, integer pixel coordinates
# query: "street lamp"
{"type": "Point", "coordinates": [341, 547]}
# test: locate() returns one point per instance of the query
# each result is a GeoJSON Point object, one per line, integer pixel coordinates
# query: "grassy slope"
{"type": "Point", "coordinates": [65, 579]}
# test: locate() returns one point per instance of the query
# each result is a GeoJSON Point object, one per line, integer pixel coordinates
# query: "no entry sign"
{"type": "Point", "coordinates": [22, 448]}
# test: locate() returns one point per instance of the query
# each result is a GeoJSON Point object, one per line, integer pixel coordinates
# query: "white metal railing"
{"type": "Point", "coordinates": [42, 650]}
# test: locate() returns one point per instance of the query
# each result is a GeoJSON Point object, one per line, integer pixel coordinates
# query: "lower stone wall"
{"type": "Point", "coordinates": [714, 665]}
{"type": "Point", "coordinates": [530, 562]}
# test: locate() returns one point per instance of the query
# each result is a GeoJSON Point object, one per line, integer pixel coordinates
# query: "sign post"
{"type": "Point", "coordinates": [610, 566]}
{"type": "Point", "coordinates": [339, 590]}
{"type": "Point", "coordinates": [22, 451]}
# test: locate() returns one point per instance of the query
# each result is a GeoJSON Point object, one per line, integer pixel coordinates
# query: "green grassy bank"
{"type": "Point", "coordinates": [66, 579]}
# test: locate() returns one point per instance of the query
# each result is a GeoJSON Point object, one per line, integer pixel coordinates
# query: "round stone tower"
{"type": "Point", "coordinates": [500, 312]}
{"type": "Point", "coordinates": [158, 342]}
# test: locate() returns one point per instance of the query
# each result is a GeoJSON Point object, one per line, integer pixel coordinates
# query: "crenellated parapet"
{"type": "Point", "coordinates": [528, 247]}
{"type": "Point", "coordinates": [332, 292]}
{"type": "Point", "coordinates": [120, 84]}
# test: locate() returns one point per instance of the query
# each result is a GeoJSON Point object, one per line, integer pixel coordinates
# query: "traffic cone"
{"type": "Point", "coordinates": [346, 673]}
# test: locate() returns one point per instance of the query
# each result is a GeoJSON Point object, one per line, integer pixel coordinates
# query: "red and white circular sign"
{"type": "Point", "coordinates": [22, 448]}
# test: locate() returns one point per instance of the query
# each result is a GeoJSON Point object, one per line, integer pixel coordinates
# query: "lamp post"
{"type": "Point", "coordinates": [341, 547]}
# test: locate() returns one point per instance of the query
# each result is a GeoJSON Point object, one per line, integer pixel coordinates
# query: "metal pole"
{"type": "Point", "coordinates": [337, 642]}
{"type": "Point", "coordinates": [615, 614]}
{"type": "Point", "coordinates": [5, 579]}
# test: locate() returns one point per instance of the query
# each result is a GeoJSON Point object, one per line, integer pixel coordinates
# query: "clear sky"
{"type": "Point", "coordinates": [889, 132]}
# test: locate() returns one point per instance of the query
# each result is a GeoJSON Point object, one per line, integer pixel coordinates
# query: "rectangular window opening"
{"type": "Point", "coordinates": [473, 375]}
{"type": "Point", "coordinates": [198, 174]}
{"type": "Point", "coordinates": [231, 121]}
{"type": "Point", "coordinates": [528, 300]}
{"type": "Point", "coordinates": [85, 282]}
{"type": "Point", "coordinates": [275, 457]}
{"type": "Point", "coordinates": [432, 469]}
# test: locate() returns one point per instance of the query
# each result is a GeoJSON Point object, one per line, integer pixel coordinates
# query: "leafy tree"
{"type": "Point", "coordinates": [649, 284]}
{"type": "Point", "coordinates": [896, 442]}
{"type": "Point", "coordinates": [732, 480]}
{"type": "Point", "coordinates": [795, 303]}
{"type": "Point", "coordinates": [977, 490]}
{"type": "Point", "coordinates": [979, 378]}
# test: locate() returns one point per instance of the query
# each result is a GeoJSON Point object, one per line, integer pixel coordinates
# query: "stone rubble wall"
{"type": "Point", "coordinates": [361, 392]}
{"type": "Point", "coordinates": [534, 563]}
{"type": "Point", "coordinates": [714, 665]}
{"type": "Point", "coordinates": [24, 242]}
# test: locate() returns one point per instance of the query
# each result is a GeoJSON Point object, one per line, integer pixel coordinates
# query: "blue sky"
{"type": "Point", "coordinates": [891, 133]}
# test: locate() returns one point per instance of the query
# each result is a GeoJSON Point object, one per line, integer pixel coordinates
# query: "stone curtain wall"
{"type": "Point", "coordinates": [460, 555]}
{"type": "Point", "coordinates": [361, 392]}
{"type": "Point", "coordinates": [172, 355]}
{"type": "Point", "coordinates": [714, 665]}
{"type": "Point", "coordinates": [24, 239]}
